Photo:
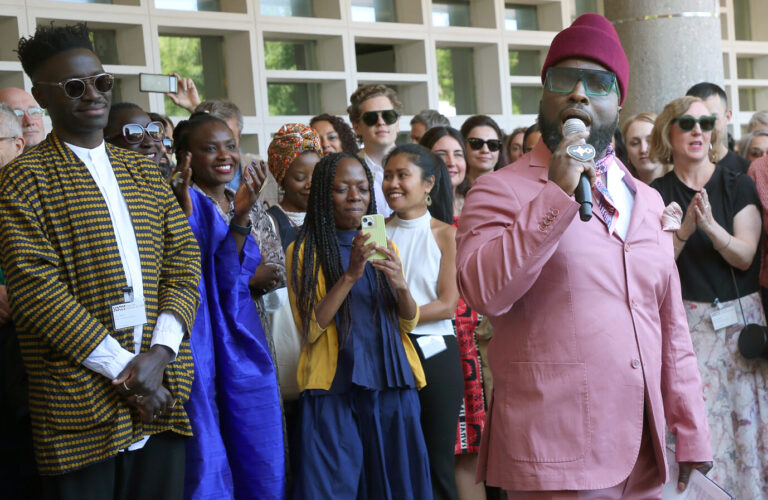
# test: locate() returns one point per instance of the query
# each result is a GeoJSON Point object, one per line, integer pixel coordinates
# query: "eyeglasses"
{"type": "Point", "coordinates": [31, 111]}
{"type": "Point", "coordinates": [596, 83]}
{"type": "Point", "coordinates": [168, 144]}
{"type": "Point", "coordinates": [74, 88]}
{"type": "Point", "coordinates": [133, 133]}
{"type": "Point", "coordinates": [371, 118]}
{"type": "Point", "coordinates": [477, 144]}
{"type": "Point", "coordinates": [12, 138]}
{"type": "Point", "coordinates": [687, 122]}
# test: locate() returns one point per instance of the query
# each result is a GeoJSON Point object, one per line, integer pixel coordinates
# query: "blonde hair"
{"type": "Point", "coordinates": [661, 147]}
{"type": "Point", "coordinates": [640, 117]}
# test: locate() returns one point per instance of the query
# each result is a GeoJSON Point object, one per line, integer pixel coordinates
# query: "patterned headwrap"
{"type": "Point", "coordinates": [287, 144]}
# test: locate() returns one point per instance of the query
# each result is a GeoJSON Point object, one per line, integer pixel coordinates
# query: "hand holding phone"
{"type": "Point", "coordinates": [373, 225]}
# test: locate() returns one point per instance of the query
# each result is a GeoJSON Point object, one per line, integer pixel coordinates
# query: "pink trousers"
{"type": "Point", "coordinates": [643, 483]}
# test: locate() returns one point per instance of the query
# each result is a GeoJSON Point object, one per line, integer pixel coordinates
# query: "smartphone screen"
{"type": "Point", "coordinates": [374, 225]}
{"type": "Point", "coordinates": [158, 83]}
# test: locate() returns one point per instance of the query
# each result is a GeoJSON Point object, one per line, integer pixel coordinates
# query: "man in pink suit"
{"type": "Point", "coordinates": [591, 353]}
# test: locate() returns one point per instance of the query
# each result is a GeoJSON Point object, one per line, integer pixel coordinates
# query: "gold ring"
{"type": "Point", "coordinates": [125, 386]}
{"type": "Point", "coordinates": [139, 398]}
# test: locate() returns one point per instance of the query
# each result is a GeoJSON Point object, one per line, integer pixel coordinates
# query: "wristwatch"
{"type": "Point", "coordinates": [244, 230]}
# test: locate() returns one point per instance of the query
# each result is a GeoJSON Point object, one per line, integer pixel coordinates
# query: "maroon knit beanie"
{"type": "Point", "coordinates": [591, 36]}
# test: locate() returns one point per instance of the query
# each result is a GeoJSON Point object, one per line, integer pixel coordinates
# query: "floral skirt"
{"type": "Point", "coordinates": [472, 413]}
{"type": "Point", "coordinates": [736, 395]}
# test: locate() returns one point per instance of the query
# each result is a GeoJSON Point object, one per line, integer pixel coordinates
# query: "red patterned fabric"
{"type": "Point", "coordinates": [472, 413]}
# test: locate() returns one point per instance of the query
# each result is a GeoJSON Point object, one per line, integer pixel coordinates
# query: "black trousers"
{"type": "Point", "coordinates": [156, 471]}
{"type": "Point", "coordinates": [440, 406]}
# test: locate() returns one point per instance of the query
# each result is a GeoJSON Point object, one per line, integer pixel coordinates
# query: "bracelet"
{"type": "Point", "coordinates": [244, 230]}
{"type": "Point", "coordinates": [726, 245]}
{"type": "Point", "coordinates": [679, 238]}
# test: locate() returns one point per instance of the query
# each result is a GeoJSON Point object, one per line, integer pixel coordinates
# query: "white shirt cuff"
{"type": "Point", "coordinates": [108, 358]}
{"type": "Point", "coordinates": [168, 332]}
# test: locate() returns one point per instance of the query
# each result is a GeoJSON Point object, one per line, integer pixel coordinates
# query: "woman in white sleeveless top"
{"type": "Point", "coordinates": [418, 188]}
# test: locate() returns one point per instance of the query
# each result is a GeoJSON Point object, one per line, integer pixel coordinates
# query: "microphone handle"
{"type": "Point", "coordinates": [584, 197]}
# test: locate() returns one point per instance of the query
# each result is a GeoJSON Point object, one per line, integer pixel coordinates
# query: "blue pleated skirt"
{"type": "Point", "coordinates": [362, 444]}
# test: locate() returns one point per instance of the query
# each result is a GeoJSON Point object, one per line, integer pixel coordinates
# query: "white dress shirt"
{"type": "Point", "coordinates": [623, 198]}
{"type": "Point", "coordinates": [377, 171]}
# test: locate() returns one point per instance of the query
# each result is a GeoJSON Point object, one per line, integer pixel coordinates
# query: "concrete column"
{"type": "Point", "coordinates": [668, 54]}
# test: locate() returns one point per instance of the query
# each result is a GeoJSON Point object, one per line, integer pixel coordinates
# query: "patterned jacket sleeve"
{"type": "Point", "coordinates": [180, 271]}
{"type": "Point", "coordinates": [40, 302]}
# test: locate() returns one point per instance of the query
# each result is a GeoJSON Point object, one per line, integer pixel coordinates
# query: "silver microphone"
{"type": "Point", "coordinates": [573, 125]}
{"type": "Point", "coordinates": [583, 191]}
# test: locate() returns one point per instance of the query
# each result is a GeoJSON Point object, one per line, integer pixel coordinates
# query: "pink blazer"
{"type": "Point", "coordinates": [589, 331]}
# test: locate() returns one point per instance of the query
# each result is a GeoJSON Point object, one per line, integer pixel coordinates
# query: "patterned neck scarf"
{"type": "Point", "coordinates": [604, 202]}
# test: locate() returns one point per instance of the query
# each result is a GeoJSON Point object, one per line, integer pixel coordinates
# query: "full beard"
{"type": "Point", "coordinates": [599, 137]}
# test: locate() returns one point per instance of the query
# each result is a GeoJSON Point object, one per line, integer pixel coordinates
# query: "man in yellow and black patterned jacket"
{"type": "Point", "coordinates": [102, 271]}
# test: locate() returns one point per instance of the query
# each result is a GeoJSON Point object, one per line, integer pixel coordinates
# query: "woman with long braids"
{"type": "Point", "coordinates": [358, 371]}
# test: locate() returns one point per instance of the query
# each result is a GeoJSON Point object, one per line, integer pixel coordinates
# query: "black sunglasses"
{"type": "Point", "coordinates": [687, 122]}
{"type": "Point", "coordinates": [133, 133]}
{"type": "Point", "coordinates": [477, 144]}
{"type": "Point", "coordinates": [371, 118]}
{"type": "Point", "coordinates": [168, 143]}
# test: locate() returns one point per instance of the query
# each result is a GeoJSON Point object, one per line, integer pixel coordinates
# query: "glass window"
{"type": "Point", "coordinates": [456, 81]}
{"type": "Point", "coordinates": [293, 98]}
{"type": "Point", "coordinates": [375, 57]}
{"type": "Point", "coordinates": [373, 11]}
{"type": "Point", "coordinates": [747, 100]}
{"type": "Point", "coordinates": [741, 19]}
{"type": "Point", "coordinates": [524, 63]}
{"type": "Point", "coordinates": [585, 6]}
{"type": "Point", "coordinates": [290, 54]}
{"type": "Point", "coordinates": [451, 13]}
{"type": "Point", "coordinates": [193, 5]}
{"type": "Point", "coordinates": [520, 17]}
{"type": "Point", "coordinates": [744, 67]}
{"type": "Point", "coordinates": [105, 45]}
{"type": "Point", "coordinates": [86, 1]}
{"type": "Point", "coordinates": [525, 100]}
{"type": "Point", "coordinates": [300, 8]}
{"type": "Point", "coordinates": [200, 58]}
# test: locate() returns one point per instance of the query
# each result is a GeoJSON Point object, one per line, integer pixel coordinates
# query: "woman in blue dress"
{"type": "Point", "coordinates": [360, 433]}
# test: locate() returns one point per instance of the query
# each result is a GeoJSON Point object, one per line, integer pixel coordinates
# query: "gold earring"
{"type": "Point", "coordinates": [429, 200]}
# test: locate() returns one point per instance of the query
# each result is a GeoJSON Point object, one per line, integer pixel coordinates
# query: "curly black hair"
{"type": "Point", "coordinates": [319, 245]}
{"type": "Point", "coordinates": [49, 41]}
{"type": "Point", "coordinates": [346, 134]}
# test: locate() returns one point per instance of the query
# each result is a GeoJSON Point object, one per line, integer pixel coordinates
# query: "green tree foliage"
{"type": "Point", "coordinates": [445, 76]}
{"type": "Point", "coordinates": [183, 55]}
{"type": "Point", "coordinates": [289, 98]}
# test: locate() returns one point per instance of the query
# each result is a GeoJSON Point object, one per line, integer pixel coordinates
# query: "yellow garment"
{"type": "Point", "coordinates": [319, 354]}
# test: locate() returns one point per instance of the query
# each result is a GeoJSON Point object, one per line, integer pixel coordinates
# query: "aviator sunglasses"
{"type": "Point", "coordinates": [687, 122]}
{"type": "Point", "coordinates": [133, 133]}
{"type": "Point", "coordinates": [596, 83]}
{"type": "Point", "coordinates": [477, 144]}
{"type": "Point", "coordinates": [371, 118]}
{"type": "Point", "coordinates": [74, 88]}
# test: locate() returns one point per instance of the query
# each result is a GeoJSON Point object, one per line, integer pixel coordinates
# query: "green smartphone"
{"type": "Point", "coordinates": [374, 225]}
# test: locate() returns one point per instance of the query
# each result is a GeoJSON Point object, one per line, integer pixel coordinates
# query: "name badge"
{"type": "Point", "coordinates": [724, 317]}
{"type": "Point", "coordinates": [128, 315]}
{"type": "Point", "coordinates": [431, 345]}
